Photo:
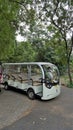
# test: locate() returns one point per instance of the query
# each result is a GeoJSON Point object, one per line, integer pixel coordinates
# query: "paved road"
{"type": "Point", "coordinates": [13, 106]}
{"type": "Point", "coordinates": [56, 114]}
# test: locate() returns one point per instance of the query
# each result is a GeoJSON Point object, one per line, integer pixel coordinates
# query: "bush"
{"type": "Point", "coordinates": [70, 85]}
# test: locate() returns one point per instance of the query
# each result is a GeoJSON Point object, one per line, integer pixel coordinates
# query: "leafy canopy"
{"type": "Point", "coordinates": [8, 14]}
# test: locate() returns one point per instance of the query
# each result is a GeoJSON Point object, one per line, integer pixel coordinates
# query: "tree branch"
{"type": "Point", "coordinates": [20, 3]}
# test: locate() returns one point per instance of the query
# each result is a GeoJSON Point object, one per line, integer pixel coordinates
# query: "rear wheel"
{"type": "Point", "coordinates": [0, 89]}
{"type": "Point", "coordinates": [31, 94]}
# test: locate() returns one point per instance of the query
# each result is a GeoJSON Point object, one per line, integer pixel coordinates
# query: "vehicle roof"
{"type": "Point", "coordinates": [29, 63]}
{"type": "Point", "coordinates": [32, 63]}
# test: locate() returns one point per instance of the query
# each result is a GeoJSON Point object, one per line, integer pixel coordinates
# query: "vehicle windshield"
{"type": "Point", "coordinates": [51, 74]}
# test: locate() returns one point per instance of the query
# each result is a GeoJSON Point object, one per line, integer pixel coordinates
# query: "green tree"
{"type": "Point", "coordinates": [39, 15]}
{"type": "Point", "coordinates": [24, 52]}
{"type": "Point", "coordinates": [60, 13]}
{"type": "Point", "coordinates": [8, 14]}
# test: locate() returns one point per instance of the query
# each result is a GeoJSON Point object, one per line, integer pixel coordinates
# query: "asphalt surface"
{"type": "Point", "coordinates": [56, 114]}
{"type": "Point", "coordinates": [13, 106]}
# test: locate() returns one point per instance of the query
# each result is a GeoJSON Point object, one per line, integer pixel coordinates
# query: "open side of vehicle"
{"type": "Point", "coordinates": [35, 78]}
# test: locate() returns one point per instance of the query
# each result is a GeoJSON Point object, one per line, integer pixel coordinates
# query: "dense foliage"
{"type": "Point", "coordinates": [45, 27]}
{"type": "Point", "coordinates": [8, 14]}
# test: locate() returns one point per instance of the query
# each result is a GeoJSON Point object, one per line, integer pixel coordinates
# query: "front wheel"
{"type": "Point", "coordinates": [31, 94]}
{"type": "Point", "coordinates": [6, 87]}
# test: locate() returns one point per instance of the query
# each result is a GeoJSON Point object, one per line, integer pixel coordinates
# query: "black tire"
{"type": "Point", "coordinates": [0, 89]}
{"type": "Point", "coordinates": [31, 94]}
{"type": "Point", "coordinates": [6, 87]}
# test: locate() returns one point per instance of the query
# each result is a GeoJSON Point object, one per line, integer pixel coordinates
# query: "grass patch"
{"type": "Point", "coordinates": [65, 81]}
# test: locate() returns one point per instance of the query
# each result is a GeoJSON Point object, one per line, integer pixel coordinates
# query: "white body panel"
{"type": "Point", "coordinates": [24, 86]}
{"type": "Point", "coordinates": [51, 93]}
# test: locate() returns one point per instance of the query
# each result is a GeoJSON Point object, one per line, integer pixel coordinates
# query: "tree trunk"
{"type": "Point", "coordinates": [68, 60]}
{"type": "Point", "coordinates": [69, 73]}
